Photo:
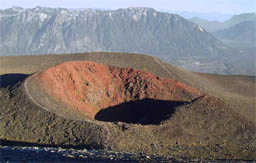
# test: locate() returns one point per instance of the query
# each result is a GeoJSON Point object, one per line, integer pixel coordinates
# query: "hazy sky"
{"type": "Point", "coordinates": [218, 6]}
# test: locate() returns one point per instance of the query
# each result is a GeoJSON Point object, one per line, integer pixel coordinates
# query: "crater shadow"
{"type": "Point", "coordinates": [145, 112]}
{"type": "Point", "coordinates": [11, 79]}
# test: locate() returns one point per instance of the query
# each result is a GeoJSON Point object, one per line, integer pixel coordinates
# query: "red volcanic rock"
{"type": "Point", "coordinates": [90, 87]}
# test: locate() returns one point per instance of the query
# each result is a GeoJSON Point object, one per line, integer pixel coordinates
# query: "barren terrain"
{"type": "Point", "coordinates": [218, 125]}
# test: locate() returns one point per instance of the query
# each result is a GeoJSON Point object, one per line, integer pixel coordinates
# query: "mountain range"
{"type": "Point", "coordinates": [213, 26]}
{"type": "Point", "coordinates": [238, 33]}
{"type": "Point", "coordinates": [135, 30]}
{"type": "Point", "coordinates": [244, 31]}
{"type": "Point", "coordinates": [210, 16]}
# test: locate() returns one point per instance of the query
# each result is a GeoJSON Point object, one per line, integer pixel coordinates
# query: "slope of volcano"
{"type": "Point", "coordinates": [181, 122]}
{"type": "Point", "coordinates": [83, 89]}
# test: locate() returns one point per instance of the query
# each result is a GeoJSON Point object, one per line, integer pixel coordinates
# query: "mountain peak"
{"type": "Point", "coordinates": [16, 8]}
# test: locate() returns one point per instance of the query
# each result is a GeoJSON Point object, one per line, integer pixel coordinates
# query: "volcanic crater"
{"type": "Point", "coordinates": [90, 90]}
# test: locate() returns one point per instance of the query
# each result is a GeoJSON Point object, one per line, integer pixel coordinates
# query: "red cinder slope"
{"type": "Point", "coordinates": [90, 87]}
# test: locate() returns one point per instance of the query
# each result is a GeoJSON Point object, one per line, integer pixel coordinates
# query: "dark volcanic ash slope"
{"type": "Point", "coordinates": [170, 124]}
{"type": "Point", "coordinates": [242, 102]}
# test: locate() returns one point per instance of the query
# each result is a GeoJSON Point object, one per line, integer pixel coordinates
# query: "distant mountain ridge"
{"type": "Point", "coordinates": [136, 30]}
{"type": "Point", "coordinates": [142, 30]}
{"type": "Point", "coordinates": [245, 31]}
{"type": "Point", "coordinates": [210, 16]}
{"type": "Point", "coordinates": [238, 32]}
{"type": "Point", "coordinates": [213, 26]}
